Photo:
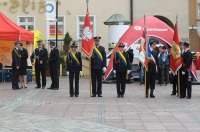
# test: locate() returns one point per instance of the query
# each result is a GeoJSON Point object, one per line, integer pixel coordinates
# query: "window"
{"type": "Point", "coordinates": [80, 24]}
{"type": "Point", "coordinates": [27, 23]}
{"type": "Point", "coordinates": [52, 28]}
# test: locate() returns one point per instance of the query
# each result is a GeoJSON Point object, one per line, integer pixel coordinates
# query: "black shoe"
{"type": "Point", "coordinates": [54, 88]}
{"type": "Point", "coordinates": [182, 97]}
{"type": "Point", "coordinates": [25, 87]}
{"type": "Point", "coordinates": [165, 84]}
{"type": "Point", "coordinates": [146, 96]}
{"type": "Point", "coordinates": [71, 95]}
{"type": "Point", "coordinates": [173, 94]}
{"type": "Point", "coordinates": [37, 87]}
{"type": "Point", "coordinates": [76, 95]}
{"type": "Point", "coordinates": [93, 95]}
{"type": "Point", "coordinates": [100, 95]}
{"type": "Point", "coordinates": [122, 96]}
{"type": "Point", "coordinates": [43, 87]}
{"type": "Point", "coordinates": [188, 98]}
{"type": "Point", "coordinates": [152, 96]}
{"type": "Point", "coordinates": [118, 96]}
{"type": "Point", "coordinates": [161, 84]}
{"type": "Point", "coordinates": [14, 88]}
{"type": "Point", "coordinates": [141, 83]}
{"type": "Point", "coordinates": [50, 88]}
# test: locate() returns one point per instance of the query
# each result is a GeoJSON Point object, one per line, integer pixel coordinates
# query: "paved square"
{"type": "Point", "coordinates": [47, 110]}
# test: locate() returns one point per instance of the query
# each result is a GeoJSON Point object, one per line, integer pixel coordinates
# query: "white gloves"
{"type": "Point", "coordinates": [67, 73]}
{"type": "Point", "coordinates": [104, 69]}
{"type": "Point", "coordinates": [183, 73]}
{"type": "Point", "coordinates": [170, 72]}
{"type": "Point", "coordinates": [114, 71]}
{"type": "Point", "coordinates": [81, 73]}
{"type": "Point", "coordinates": [129, 71]}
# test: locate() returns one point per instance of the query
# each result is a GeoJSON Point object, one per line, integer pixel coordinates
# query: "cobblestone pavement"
{"type": "Point", "coordinates": [48, 111]}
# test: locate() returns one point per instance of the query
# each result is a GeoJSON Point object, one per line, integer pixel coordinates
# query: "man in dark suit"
{"type": "Point", "coordinates": [98, 66]}
{"type": "Point", "coordinates": [152, 69]}
{"type": "Point", "coordinates": [74, 69]}
{"type": "Point", "coordinates": [186, 76]}
{"type": "Point", "coordinates": [16, 64]}
{"type": "Point", "coordinates": [121, 67]}
{"type": "Point", "coordinates": [54, 65]}
{"type": "Point", "coordinates": [40, 55]}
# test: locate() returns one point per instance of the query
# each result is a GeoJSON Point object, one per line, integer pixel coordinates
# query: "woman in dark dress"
{"type": "Point", "coordinates": [22, 71]}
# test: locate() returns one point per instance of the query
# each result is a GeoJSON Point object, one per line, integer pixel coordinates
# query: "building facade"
{"type": "Point", "coordinates": [30, 14]}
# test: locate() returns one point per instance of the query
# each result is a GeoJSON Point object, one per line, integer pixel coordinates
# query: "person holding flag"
{"type": "Point", "coordinates": [74, 69]}
{"type": "Point", "coordinates": [121, 67]}
{"type": "Point", "coordinates": [186, 75]}
{"type": "Point", "coordinates": [98, 67]}
{"type": "Point", "coordinates": [152, 57]}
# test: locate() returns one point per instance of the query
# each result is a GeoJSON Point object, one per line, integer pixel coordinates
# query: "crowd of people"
{"type": "Point", "coordinates": [158, 64]}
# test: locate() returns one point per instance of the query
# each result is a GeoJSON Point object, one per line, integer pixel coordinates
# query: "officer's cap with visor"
{"type": "Point", "coordinates": [97, 38]}
{"type": "Point", "coordinates": [121, 45]}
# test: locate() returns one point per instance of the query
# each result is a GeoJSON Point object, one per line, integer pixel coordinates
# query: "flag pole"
{"type": "Point", "coordinates": [178, 74]}
{"type": "Point", "coordinates": [90, 69]}
{"type": "Point", "coordinates": [145, 79]}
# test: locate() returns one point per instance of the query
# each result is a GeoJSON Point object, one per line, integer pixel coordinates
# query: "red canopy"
{"type": "Point", "coordinates": [12, 32]}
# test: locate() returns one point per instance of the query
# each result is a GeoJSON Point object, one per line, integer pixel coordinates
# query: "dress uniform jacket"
{"type": "Point", "coordinates": [16, 62]}
{"type": "Point", "coordinates": [40, 55]}
{"type": "Point", "coordinates": [72, 66]}
{"type": "Point", "coordinates": [95, 62]}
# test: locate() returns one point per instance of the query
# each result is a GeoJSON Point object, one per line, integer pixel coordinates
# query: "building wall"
{"type": "Point", "coordinates": [167, 8]}
{"type": "Point", "coordinates": [194, 38]}
{"type": "Point", "coordinates": [102, 9]}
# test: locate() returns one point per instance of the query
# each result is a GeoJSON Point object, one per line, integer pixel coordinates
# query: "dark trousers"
{"type": "Point", "coordinates": [183, 82]}
{"type": "Point", "coordinates": [15, 78]}
{"type": "Point", "coordinates": [175, 84]}
{"type": "Point", "coordinates": [165, 75]}
{"type": "Point", "coordinates": [150, 77]}
{"type": "Point", "coordinates": [39, 71]}
{"type": "Point", "coordinates": [159, 75]}
{"type": "Point", "coordinates": [73, 75]}
{"type": "Point", "coordinates": [54, 77]}
{"type": "Point", "coordinates": [96, 79]}
{"type": "Point", "coordinates": [121, 82]}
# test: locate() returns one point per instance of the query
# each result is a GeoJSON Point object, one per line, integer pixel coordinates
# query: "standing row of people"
{"type": "Point", "coordinates": [39, 59]}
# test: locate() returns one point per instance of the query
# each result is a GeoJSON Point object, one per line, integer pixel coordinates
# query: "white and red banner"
{"type": "Point", "coordinates": [87, 38]}
{"type": "Point", "coordinates": [156, 29]}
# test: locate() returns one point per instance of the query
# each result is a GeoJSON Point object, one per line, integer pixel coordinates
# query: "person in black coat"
{"type": "Point", "coordinates": [54, 65]}
{"type": "Point", "coordinates": [98, 67]}
{"type": "Point", "coordinates": [16, 64]}
{"type": "Point", "coordinates": [121, 67]}
{"type": "Point", "coordinates": [74, 69]}
{"type": "Point", "coordinates": [22, 70]}
{"type": "Point", "coordinates": [185, 74]}
{"type": "Point", "coordinates": [40, 55]}
{"type": "Point", "coordinates": [152, 70]}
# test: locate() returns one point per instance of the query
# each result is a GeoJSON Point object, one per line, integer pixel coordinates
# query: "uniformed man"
{"type": "Point", "coordinates": [54, 65]}
{"type": "Point", "coordinates": [74, 68]}
{"type": "Point", "coordinates": [16, 64]}
{"type": "Point", "coordinates": [40, 55]}
{"type": "Point", "coordinates": [121, 67]}
{"type": "Point", "coordinates": [152, 69]}
{"type": "Point", "coordinates": [175, 77]}
{"type": "Point", "coordinates": [186, 76]}
{"type": "Point", "coordinates": [98, 66]}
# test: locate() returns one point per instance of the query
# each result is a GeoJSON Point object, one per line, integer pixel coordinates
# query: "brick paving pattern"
{"type": "Point", "coordinates": [42, 110]}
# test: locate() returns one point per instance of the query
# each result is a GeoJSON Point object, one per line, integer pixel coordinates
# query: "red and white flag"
{"type": "Point", "coordinates": [87, 37]}
{"type": "Point", "coordinates": [192, 71]}
{"type": "Point", "coordinates": [175, 58]}
{"type": "Point", "coordinates": [143, 50]}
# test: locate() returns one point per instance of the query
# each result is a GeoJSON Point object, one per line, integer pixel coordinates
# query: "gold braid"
{"type": "Point", "coordinates": [17, 53]}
